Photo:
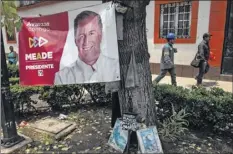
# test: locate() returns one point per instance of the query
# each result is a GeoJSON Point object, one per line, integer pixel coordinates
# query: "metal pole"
{"type": "Point", "coordinates": [10, 135]}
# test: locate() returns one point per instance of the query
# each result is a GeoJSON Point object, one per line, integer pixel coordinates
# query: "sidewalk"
{"type": "Point", "coordinates": [189, 82]}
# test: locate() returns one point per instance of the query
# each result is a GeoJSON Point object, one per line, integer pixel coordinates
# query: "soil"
{"type": "Point", "coordinates": [94, 129]}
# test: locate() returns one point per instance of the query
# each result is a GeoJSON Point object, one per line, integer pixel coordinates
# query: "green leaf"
{"type": "Point", "coordinates": [9, 16]}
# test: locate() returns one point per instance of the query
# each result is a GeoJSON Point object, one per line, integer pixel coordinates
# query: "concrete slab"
{"type": "Point", "coordinates": [17, 146]}
{"type": "Point", "coordinates": [57, 129]}
{"type": "Point", "coordinates": [51, 125]}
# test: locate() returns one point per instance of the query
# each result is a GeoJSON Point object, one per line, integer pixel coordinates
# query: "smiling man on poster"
{"type": "Point", "coordinates": [91, 65]}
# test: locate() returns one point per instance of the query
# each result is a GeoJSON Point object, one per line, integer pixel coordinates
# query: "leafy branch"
{"type": "Point", "coordinates": [10, 18]}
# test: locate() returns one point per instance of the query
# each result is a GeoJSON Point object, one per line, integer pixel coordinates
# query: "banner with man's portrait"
{"type": "Point", "coordinates": [73, 47]}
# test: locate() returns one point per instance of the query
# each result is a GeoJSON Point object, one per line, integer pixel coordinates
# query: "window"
{"type": "Point", "coordinates": [175, 18]}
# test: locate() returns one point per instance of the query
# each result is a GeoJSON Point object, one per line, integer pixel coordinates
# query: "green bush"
{"type": "Point", "coordinates": [211, 109]}
{"type": "Point", "coordinates": [97, 93]}
{"type": "Point", "coordinates": [21, 98]}
{"type": "Point", "coordinates": [58, 96]}
{"type": "Point", "coordinates": [13, 71]}
{"type": "Point", "coordinates": [14, 81]}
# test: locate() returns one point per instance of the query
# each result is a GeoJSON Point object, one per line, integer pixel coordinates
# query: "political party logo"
{"type": "Point", "coordinates": [37, 42]}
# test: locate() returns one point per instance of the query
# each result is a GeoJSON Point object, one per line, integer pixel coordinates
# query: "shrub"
{"type": "Point", "coordinates": [174, 126]}
{"type": "Point", "coordinates": [14, 81]}
{"type": "Point", "coordinates": [208, 108]}
{"type": "Point", "coordinates": [97, 93]}
{"type": "Point", "coordinates": [13, 70]}
{"type": "Point", "coordinates": [21, 98]}
{"type": "Point", "coordinates": [58, 96]}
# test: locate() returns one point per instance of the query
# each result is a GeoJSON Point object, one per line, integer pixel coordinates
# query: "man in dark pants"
{"type": "Point", "coordinates": [203, 54]}
{"type": "Point", "coordinates": [167, 60]}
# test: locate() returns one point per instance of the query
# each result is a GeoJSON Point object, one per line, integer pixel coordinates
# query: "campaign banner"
{"type": "Point", "coordinates": [73, 47]}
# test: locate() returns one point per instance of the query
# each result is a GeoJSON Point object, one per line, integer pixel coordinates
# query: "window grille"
{"type": "Point", "coordinates": [175, 18]}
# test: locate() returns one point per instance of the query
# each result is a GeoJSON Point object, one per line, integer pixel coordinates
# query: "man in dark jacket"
{"type": "Point", "coordinates": [167, 60]}
{"type": "Point", "coordinates": [203, 54]}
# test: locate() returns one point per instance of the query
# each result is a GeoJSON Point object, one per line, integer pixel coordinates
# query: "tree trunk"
{"type": "Point", "coordinates": [135, 39]}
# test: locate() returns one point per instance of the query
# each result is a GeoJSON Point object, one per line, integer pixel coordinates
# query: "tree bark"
{"type": "Point", "coordinates": [135, 39]}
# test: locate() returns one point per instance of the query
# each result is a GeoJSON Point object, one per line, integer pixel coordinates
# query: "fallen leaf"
{"type": "Point", "coordinates": [193, 145]}
{"type": "Point", "coordinates": [27, 150]}
{"type": "Point", "coordinates": [47, 143]}
{"type": "Point", "coordinates": [79, 131]}
{"type": "Point", "coordinates": [97, 148]}
{"type": "Point", "coordinates": [65, 149]}
{"type": "Point", "coordinates": [59, 146]}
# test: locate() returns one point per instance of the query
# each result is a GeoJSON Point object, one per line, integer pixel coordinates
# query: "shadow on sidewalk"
{"type": "Point", "coordinates": [210, 84]}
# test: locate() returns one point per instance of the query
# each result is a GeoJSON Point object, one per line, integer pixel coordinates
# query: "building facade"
{"type": "Point", "coordinates": [189, 20]}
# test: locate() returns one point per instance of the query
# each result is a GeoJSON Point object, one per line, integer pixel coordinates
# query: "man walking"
{"type": "Point", "coordinates": [203, 55]}
{"type": "Point", "coordinates": [167, 60]}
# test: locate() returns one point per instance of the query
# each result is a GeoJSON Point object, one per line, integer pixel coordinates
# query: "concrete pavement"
{"type": "Point", "coordinates": [189, 82]}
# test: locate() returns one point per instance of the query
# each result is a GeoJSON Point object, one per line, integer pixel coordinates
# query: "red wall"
{"type": "Point", "coordinates": [217, 29]}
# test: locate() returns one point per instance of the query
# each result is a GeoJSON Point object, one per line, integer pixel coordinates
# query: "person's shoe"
{"type": "Point", "coordinates": [195, 77]}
